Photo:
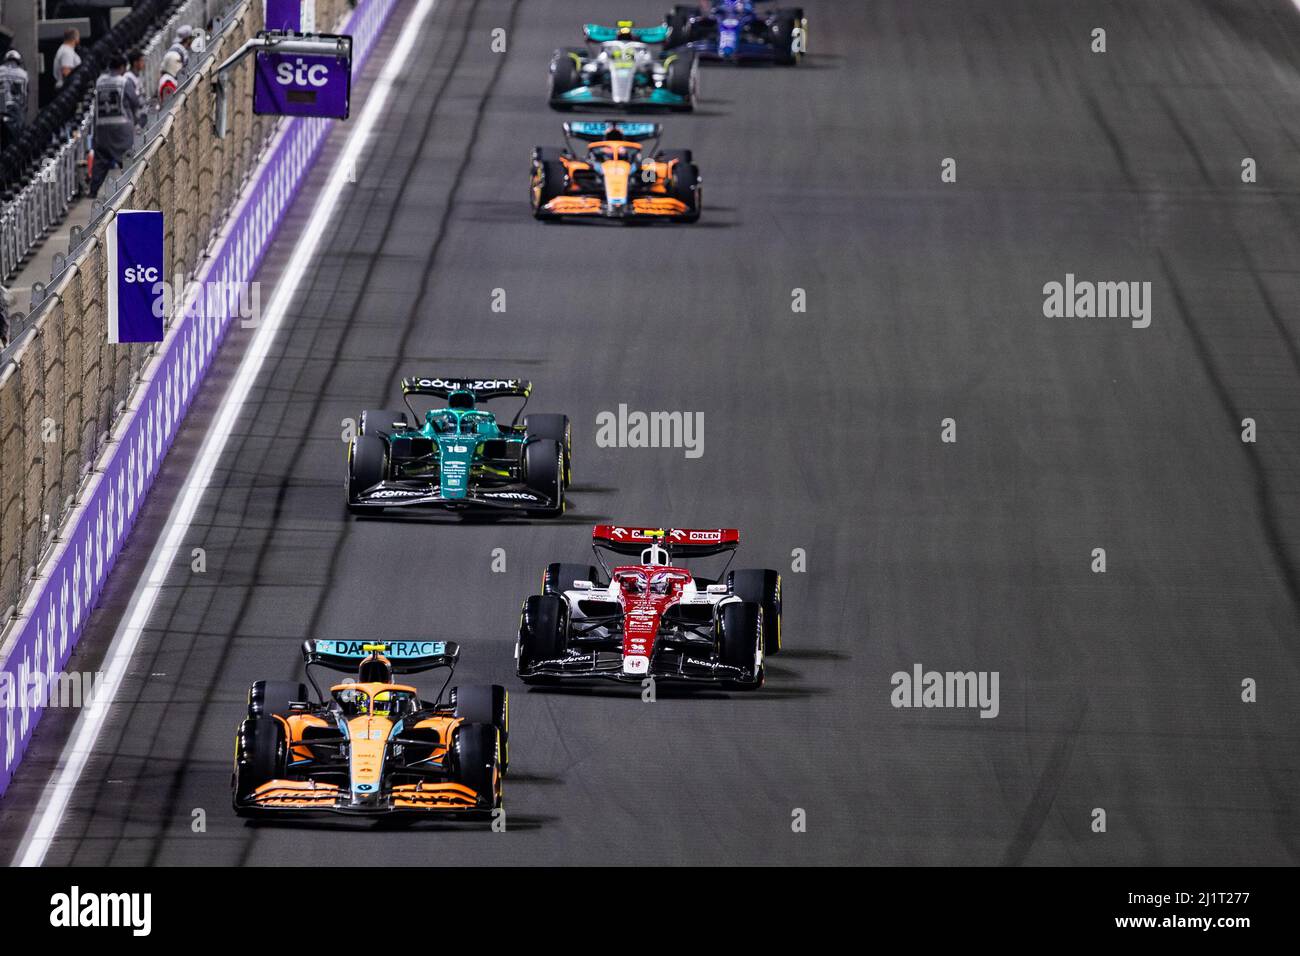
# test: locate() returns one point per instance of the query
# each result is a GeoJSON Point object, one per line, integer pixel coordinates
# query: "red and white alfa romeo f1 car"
{"type": "Point", "coordinates": [652, 618]}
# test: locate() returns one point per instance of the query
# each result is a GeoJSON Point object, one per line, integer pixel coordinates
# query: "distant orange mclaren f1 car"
{"type": "Point", "coordinates": [617, 176]}
{"type": "Point", "coordinates": [372, 746]}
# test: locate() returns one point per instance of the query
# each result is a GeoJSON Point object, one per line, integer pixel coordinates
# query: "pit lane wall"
{"type": "Point", "coordinates": [65, 370]}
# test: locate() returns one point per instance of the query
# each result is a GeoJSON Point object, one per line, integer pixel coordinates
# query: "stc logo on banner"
{"type": "Point", "coordinates": [302, 84]}
{"type": "Point", "coordinates": [135, 267]}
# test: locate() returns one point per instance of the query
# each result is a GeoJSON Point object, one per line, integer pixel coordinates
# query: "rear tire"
{"type": "Point", "coordinates": [477, 761]}
{"type": "Point", "coordinates": [268, 697]}
{"type": "Point", "coordinates": [558, 578]}
{"type": "Point", "coordinates": [763, 587]}
{"type": "Point", "coordinates": [683, 78]}
{"type": "Point", "coordinates": [557, 428]}
{"type": "Point", "coordinates": [367, 466]}
{"type": "Point", "coordinates": [789, 44]}
{"type": "Point", "coordinates": [740, 643]}
{"type": "Point", "coordinates": [565, 76]}
{"type": "Point", "coordinates": [544, 474]}
{"type": "Point", "coordinates": [261, 753]}
{"type": "Point", "coordinates": [686, 187]}
{"type": "Point", "coordinates": [486, 704]}
{"type": "Point", "coordinates": [543, 636]}
{"type": "Point", "coordinates": [379, 421]}
{"type": "Point", "coordinates": [679, 23]}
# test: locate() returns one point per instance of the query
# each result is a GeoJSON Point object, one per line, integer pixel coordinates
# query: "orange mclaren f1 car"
{"type": "Point", "coordinates": [372, 746]}
{"type": "Point", "coordinates": [617, 176]}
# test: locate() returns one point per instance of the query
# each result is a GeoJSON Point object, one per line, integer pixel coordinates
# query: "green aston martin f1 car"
{"type": "Point", "coordinates": [460, 457]}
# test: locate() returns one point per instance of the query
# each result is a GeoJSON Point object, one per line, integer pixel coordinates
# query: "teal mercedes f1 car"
{"type": "Point", "coordinates": [624, 67]}
{"type": "Point", "coordinates": [460, 457]}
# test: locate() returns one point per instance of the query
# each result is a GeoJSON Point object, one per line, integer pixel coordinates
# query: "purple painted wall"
{"type": "Point", "coordinates": [73, 577]}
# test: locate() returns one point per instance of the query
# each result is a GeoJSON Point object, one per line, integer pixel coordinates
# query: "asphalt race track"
{"type": "Point", "coordinates": [924, 302]}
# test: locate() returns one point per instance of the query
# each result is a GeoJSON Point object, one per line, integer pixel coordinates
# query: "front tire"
{"type": "Point", "coordinates": [476, 751]}
{"type": "Point", "coordinates": [683, 78]}
{"type": "Point", "coordinates": [367, 467]}
{"type": "Point", "coordinates": [543, 635]}
{"type": "Point", "coordinates": [686, 188]}
{"type": "Point", "coordinates": [544, 474]}
{"type": "Point", "coordinates": [268, 698]}
{"type": "Point", "coordinates": [740, 643]}
{"type": "Point", "coordinates": [261, 753]}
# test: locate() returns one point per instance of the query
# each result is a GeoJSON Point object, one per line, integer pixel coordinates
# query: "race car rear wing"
{"type": "Point", "coordinates": [406, 657]}
{"type": "Point", "coordinates": [593, 130]}
{"type": "Point", "coordinates": [483, 388]}
{"type": "Point", "coordinates": [600, 34]}
{"type": "Point", "coordinates": [680, 542]}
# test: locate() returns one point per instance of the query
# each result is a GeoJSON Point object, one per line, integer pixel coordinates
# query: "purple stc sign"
{"type": "Point", "coordinates": [302, 84]}
{"type": "Point", "coordinates": [135, 267]}
{"type": "Point", "coordinates": [71, 577]}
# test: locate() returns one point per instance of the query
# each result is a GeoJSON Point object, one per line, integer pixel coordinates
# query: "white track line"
{"type": "Point", "coordinates": [72, 762]}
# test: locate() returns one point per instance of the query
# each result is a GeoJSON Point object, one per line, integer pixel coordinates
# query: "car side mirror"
{"type": "Point", "coordinates": [401, 426]}
{"type": "Point", "coordinates": [583, 586]}
{"type": "Point", "coordinates": [717, 589]}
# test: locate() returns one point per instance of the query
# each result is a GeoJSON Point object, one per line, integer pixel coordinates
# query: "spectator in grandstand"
{"type": "Point", "coordinates": [13, 98]}
{"type": "Point", "coordinates": [66, 57]}
{"type": "Point", "coordinates": [181, 45]}
{"type": "Point", "coordinates": [116, 106]}
{"type": "Point", "coordinates": [171, 65]}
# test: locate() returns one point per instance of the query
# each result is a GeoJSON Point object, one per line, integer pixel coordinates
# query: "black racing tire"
{"type": "Point", "coordinates": [558, 578]}
{"type": "Point", "coordinates": [261, 755]}
{"type": "Point", "coordinates": [379, 421]}
{"type": "Point", "coordinates": [783, 27]}
{"type": "Point", "coordinates": [564, 76]}
{"type": "Point", "coordinates": [543, 635]}
{"type": "Point", "coordinates": [740, 642]}
{"type": "Point", "coordinates": [686, 187]}
{"type": "Point", "coordinates": [548, 181]}
{"type": "Point", "coordinates": [476, 756]}
{"type": "Point", "coordinates": [486, 704]}
{"type": "Point", "coordinates": [367, 466]}
{"type": "Point", "coordinates": [763, 587]}
{"type": "Point", "coordinates": [678, 21]}
{"type": "Point", "coordinates": [273, 697]}
{"type": "Point", "coordinates": [682, 78]}
{"type": "Point", "coordinates": [558, 428]}
{"type": "Point", "coordinates": [544, 474]}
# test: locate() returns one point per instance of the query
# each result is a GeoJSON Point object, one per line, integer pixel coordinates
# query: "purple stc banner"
{"type": "Point", "coordinates": [300, 84]}
{"type": "Point", "coordinates": [135, 269]}
{"type": "Point", "coordinates": [69, 581]}
{"type": "Point", "coordinates": [285, 15]}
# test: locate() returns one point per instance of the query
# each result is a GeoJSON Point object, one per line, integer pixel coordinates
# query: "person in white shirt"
{"type": "Point", "coordinates": [171, 65]}
{"type": "Point", "coordinates": [181, 45]}
{"type": "Point", "coordinates": [66, 58]}
{"type": "Point", "coordinates": [135, 79]}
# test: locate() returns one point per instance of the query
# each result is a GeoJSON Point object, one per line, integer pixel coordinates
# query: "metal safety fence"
{"type": "Point", "coordinates": [112, 412]}
{"type": "Point", "coordinates": [44, 201]}
{"type": "Point", "coordinates": [62, 385]}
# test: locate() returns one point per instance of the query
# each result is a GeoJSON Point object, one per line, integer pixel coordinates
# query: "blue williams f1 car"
{"type": "Point", "coordinates": [460, 457]}
{"type": "Point", "coordinates": [735, 31]}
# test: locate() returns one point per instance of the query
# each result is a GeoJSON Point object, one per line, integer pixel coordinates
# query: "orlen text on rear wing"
{"type": "Point", "coordinates": [680, 542]}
